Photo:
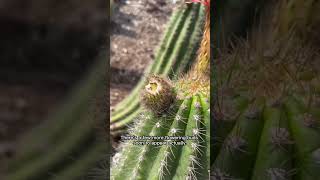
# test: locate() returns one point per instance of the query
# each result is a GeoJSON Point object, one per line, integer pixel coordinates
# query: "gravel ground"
{"type": "Point", "coordinates": [137, 28]}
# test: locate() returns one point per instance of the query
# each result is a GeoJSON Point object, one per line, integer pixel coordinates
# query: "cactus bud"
{"type": "Point", "coordinates": [158, 94]}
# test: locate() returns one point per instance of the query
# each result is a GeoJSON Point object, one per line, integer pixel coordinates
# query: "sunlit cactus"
{"type": "Point", "coordinates": [171, 139]}
{"type": "Point", "coordinates": [175, 55]}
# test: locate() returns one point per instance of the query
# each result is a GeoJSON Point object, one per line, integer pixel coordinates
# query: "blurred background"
{"type": "Point", "coordinates": [48, 49]}
{"type": "Point", "coordinates": [137, 28]}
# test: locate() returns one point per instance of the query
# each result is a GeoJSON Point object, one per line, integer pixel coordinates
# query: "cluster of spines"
{"type": "Point", "coordinates": [189, 118]}
{"type": "Point", "coordinates": [158, 94]}
{"type": "Point", "coordinates": [175, 55]}
{"type": "Point", "coordinates": [282, 142]}
{"type": "Point", "coordinates": [304, 126]}
{"type": "Point", "coordinates": [289, 147]}
{"type": "Point", "coordinates": [121, 160]}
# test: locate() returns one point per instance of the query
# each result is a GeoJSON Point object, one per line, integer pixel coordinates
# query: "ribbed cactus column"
{"type": "Point", "coordinates": [305, 129]}
{"type": "Point", "coordinates": [279, 142]}
{"type": "Point", "coordinates": [176, 53]}
{"type": "Point", "coordinates": [176, 159]}
{"type": "Point", "coordinates": [67, 146]}
{"type": "Point", "coordinates": [275, 75]}
{"type": "Point", "coordinates": [171, 140]}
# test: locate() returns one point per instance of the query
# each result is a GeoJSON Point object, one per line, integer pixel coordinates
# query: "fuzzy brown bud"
{"type": "Point", "coordinates": [158, 94]}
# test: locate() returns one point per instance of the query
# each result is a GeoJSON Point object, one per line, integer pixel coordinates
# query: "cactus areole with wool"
{"type": "Point", "coordinates": [170, 139]}
{"type": "Point", "coordinates": [267, 117]}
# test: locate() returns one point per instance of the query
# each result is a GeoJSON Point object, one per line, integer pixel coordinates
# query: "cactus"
{"type": "Point", "coordinates": [171, 139]}
{"type": "Point", "coordinates": [186, 117]}
{"type": "Point", "coordinates": [266, 124]}
{"type": "Point", "coordinates": [275, 142]}
{"type": "Point", "coordinates": [233, 18]}
{"type": "Point", "coordinates": [303, 15]}
{"type": "Point", "coordinates": [66, 146]}
{"type": "Point", "coordinates": [175, 55]}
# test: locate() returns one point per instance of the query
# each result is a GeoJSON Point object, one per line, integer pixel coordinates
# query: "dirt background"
{"type": "Point", "coordinates": [137, 28]}
{"type": "Point", "coordinates": [43, 54]}
{"type": "Point", "coordinates": [46, 47]}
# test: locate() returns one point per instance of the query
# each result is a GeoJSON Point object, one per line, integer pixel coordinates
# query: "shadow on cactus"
{"type": "Point", "coordinates": [170, 139]}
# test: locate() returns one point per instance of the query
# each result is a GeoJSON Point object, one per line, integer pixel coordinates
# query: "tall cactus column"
{"type": "Point", "coordinates": [175, 55]}
{"type": "Point", "coordinates": [171, 138]}
{"type": "Point", "coordinates": [268, 113]}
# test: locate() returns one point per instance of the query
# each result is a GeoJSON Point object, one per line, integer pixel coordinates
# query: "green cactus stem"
{"type": "Point", "coordinates": [177, 120]}
{"type": "Point", "coordinates": [175, 55]}
{"type": "Point", "coordinates": [185, 118]}
{"type": "Point", "coordinates": [70, 132]}
{"type": "Point", "coordinates": [280, 70]}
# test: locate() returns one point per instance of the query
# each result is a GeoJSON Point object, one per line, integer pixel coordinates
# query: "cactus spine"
{"type": "Point", "coordinates": [188, 116]}
{"type": "Point", "coordinates": [273, 74]}
{"type": "Point", "coordinates": [175, 55]}
{"type": "Point", "coordinates": [202, 66]}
